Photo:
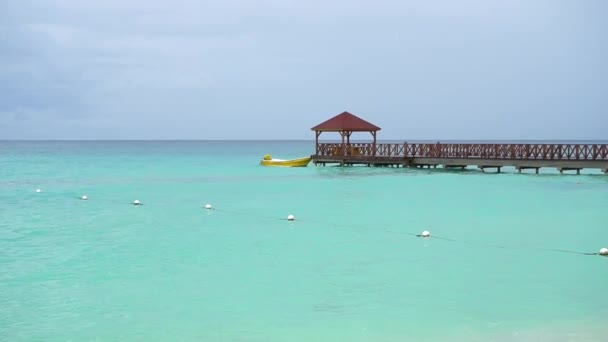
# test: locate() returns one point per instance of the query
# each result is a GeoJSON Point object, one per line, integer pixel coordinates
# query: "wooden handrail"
{"type": "Point", "coordinates": [483, 151]}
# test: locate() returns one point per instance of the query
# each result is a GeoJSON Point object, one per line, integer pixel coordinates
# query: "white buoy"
{"type": "Point", "coordinates": [84, 198]}
{"type": "Point", "coordinates": [291, 218]}
{"type": "Point", "coordinates": [208, 206]}
{"type": "Point", "coordinates": [425, 233]}
{"type": "Point", "coordinates": [38, 190]}
{"type": "Point", "coordinates": [136, 202]}
{"type": "Point", "coordinates": [604, 251]}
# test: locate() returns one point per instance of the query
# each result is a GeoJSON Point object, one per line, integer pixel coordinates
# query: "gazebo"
{"type": "Point", "coordinates": [345, 123]}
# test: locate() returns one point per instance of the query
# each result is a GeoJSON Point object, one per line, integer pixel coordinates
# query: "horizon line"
{"type": "Point", "coordinates": [271, 140]}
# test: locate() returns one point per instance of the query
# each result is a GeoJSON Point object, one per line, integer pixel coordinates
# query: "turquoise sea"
{"type": "Point", "coordinates": [350, 268]}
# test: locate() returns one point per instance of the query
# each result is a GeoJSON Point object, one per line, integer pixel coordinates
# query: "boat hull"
{"type": "Point", "coordinates": [299, 162]}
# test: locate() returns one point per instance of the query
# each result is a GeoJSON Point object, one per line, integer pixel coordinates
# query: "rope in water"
{"type": "Point", "coordinates": [362, 228]}
{"type": "Point", "coordinates": [359, 227]}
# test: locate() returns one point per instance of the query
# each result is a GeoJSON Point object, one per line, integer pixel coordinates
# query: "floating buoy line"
{"type": "Point", "coordinates": [425, 234]}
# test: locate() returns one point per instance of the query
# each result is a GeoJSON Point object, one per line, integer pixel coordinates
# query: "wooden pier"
{"type": "Point", "coordinates": [563, 157]}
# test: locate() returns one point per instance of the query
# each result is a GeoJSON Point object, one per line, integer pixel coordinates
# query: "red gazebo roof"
{"type": "Point", "coordinates": [345, 122]}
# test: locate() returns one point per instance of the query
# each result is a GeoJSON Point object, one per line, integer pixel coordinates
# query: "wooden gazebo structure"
{"type": "Point", "coordinates": [345, 123]}
{"type": "Point", "coordinates": [564, 157]}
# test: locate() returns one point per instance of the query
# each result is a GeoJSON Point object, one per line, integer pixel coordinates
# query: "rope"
{"type": "Point", "coordinates": [358, 227]}
{"type": "Point", "coordinates": [499, 246]}
{"type": "Point", "coordinates": [246, 214]}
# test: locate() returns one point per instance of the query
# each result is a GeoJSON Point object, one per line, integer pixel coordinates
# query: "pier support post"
{"type": "Point", "coordinates": [498, 168]}
{"type": "Point", "coordinates": [562, 169]}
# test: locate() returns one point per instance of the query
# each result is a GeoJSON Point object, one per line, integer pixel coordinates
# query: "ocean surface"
{"type": "Point", "coordinates": [498, 266]}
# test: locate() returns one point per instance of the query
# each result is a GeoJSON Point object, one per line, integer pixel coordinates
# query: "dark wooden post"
{"type": "Point", "coordinates": [317, 133]}
{"type": "Point", "coordinates": [374, 143]}
{"type": "Point", "coordinates": [348, 148]}
{"type": "Point", "coordinates": [594, 153]}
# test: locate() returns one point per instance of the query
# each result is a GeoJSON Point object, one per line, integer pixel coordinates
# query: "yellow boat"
{"type": "Point", "coordinates": [299, 162]}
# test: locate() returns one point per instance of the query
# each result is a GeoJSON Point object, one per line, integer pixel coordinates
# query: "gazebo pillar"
{"type": "Point", "coordinates": [317, 133]}
{"type": "Point", "coordinates": [346, 147]}
{"type": "Point", "coordinates": [374, 144]}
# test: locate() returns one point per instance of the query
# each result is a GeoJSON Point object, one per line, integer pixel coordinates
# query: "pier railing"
{"type": "Point", "coordinates": [468, 151]}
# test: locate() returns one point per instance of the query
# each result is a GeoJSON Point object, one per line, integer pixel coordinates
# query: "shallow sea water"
{"type": "Point", "coordinates": [349, 267]}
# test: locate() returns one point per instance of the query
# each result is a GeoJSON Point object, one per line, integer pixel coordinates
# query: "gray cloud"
{"type": "Point", "coordinates": [232, 69]}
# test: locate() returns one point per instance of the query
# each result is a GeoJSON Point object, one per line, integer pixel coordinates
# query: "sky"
{"type": "Point", "coordinates": [272, 69]}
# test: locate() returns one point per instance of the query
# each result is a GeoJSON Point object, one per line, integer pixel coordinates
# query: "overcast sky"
{"type": "Point", "coordinates": [271, 69]}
